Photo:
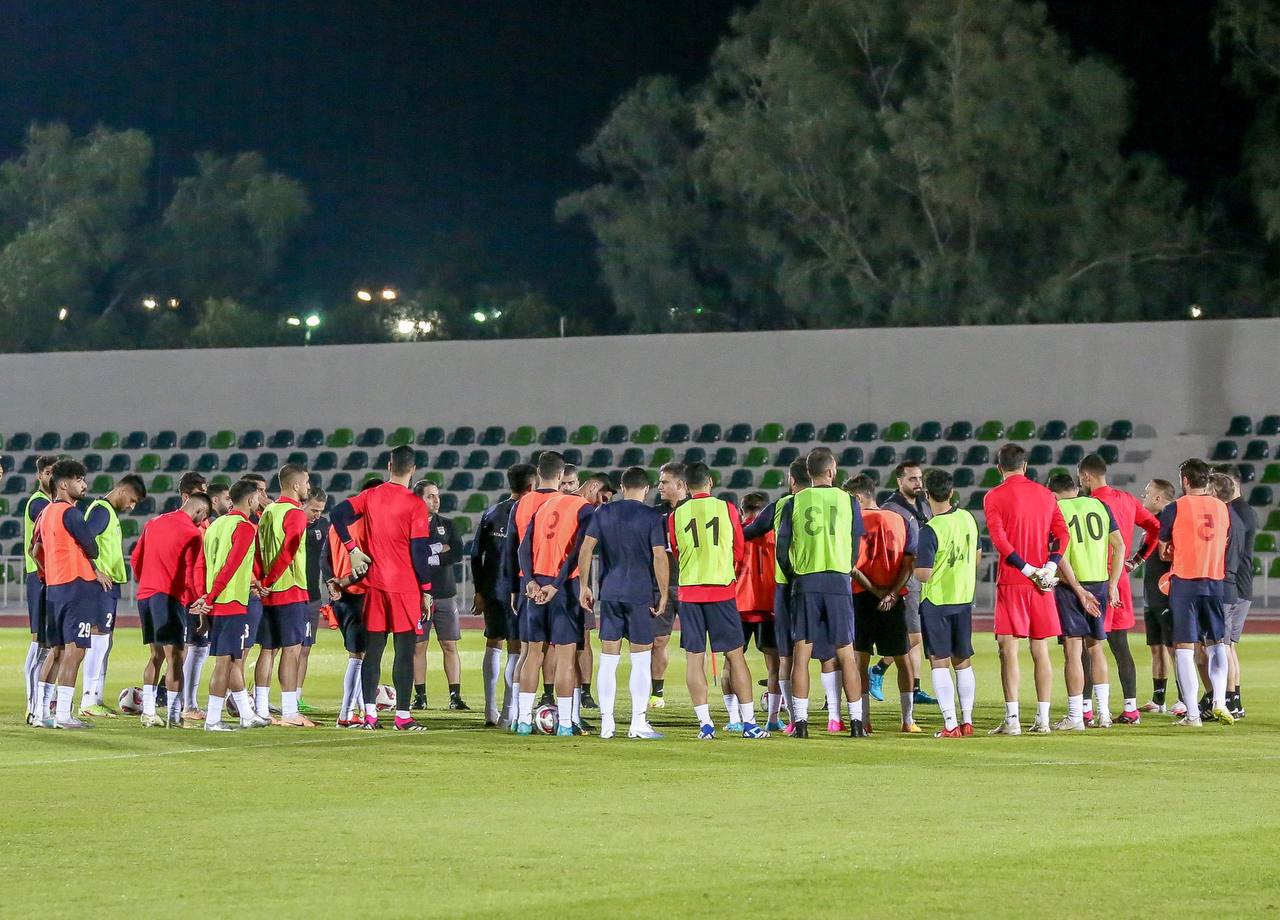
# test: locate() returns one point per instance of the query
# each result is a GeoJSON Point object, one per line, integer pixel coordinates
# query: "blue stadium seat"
{"type": "Point", "coordinates": [708, 433]}
{"type": "Point", "coordinates": [1269, 426]}
{"type": "Point", "coordinates": [164, 440]}
{"type": "Point", "coordinates": [1040, 455]}
{"type": "Point", "coordinates": [49, 441]}
{"type": "Point", "coordinates": [572, 456]}
{"type": "Point", "coordinates": [356, 460]}
{"type": "Point", "coordinates": [194, 440]}
{"type": "Point", "coordinates": [236, 463]}
{"type": "Point", "coordinates": [959, 431]}
{"type": "Point", "coordinates": [19, 442]}
{"type": "Point", "coordinates": [802, 433]}
{"type": "Point", "coordinates": [1225, 450]}
{"type": "Point", "coordinates": [739, 433]}
{"type": "Point", "coordinates": [742, 479]}
{"type": "Point", "coordinates": [600, 458]}
{"type": "Point", "coordinates": [325, 461]}
{"type": "Point", "coordinates": [946, 455]}
{"type": "Point", "coordinates": [694, 455]}
{"type": "Point", "coordinates": [1261, 496]}
{"type": "Point", "coordinates": [253, 439]}
{"type": "Point", "coordinates": [1071, 455]}
{"type": "Point", "coordinates": [725, 457]}
{"type": "Point", "coordinates": [851, 457]}
{"type": "Point", "coordinates": [311, 439]}
{"type": "Point", "coordinates": [884, 455]}
{"type": "Point", "coordinates": [962, 478]}
{"type": "Point", "coordinates": [77, 440]}
{"type": "Point", "coordinates": [1109, 453]}
{"type": "Point", "coordinates": [676, 434]}
{"type": "Point", "coordinates": [178, 463]}
{"type": "Point", "coordinates": [554, 436]}
{"type": "Point", "coordinates": [449, 503]}
{"type": "Point", "coordinates": [632, 456]}
{"type": "Point", "coordinates": [785, 456]}
{"type": "Point", "coordinates": [145, 508]}
{"type": "Point", "coordinates": [172, 503]}
{"type": "Point", "coordinates": [1055, 430]}
{"type": "Point", "coordinates": [495, 435]}
{"type": "Point", "coordinates": [929, 431]}
{"type": "Point", "coordinates": [493, 481]}
{"type": "Point", "coordinates": [432, 437]}
{"type": "Point", "coordinates": [1241, 426]}
{"type": "Point", "coordinates": [371, 437]}
{"type": "Point", "coordinates": [915, 454]}
{"type": "Point", "coordinates": [15, 485]}
{"type": "Point", "coordinates": [463, 481]}
{"type": "Point", "coordinates": [120, 463]}
{"type": "Point", "coordinates": [478, 459]}
{"type": "Point", "coordinates": [866, 433]}
{"type": "Point", "coordinates": [616, 434]}
{"type": "Point", "coordinates": [1257, 450]}
{"type": "Point", "coordinates": [29, 464]}
{"type": "Point", "coordinates": [446, 460]}
{"type": "Point", "coordinates": [282, 440]}
{"type": "Point", "coordinates": [92, 462]}
{"type": "Point", "coordinates": [462, 436]}
{"type": "Point", "coordinates": [977, 455]}
{"type": "Point", "coordinates": [207, 463]}
{"type": "Point", "coordinates": [340, 482]}
{"type": "Point", "coordinates": [267, 462]}
{"type": "Point", "coordinates": [834, 433]}
{"type": "Point", "coordinates": [507, 459]}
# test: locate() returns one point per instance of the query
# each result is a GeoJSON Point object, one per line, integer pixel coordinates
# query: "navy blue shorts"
{"type": "Point", "coordinates": [105, 614]}
{"type": "Point", "coordinates": [876, 630]}
{"type": "Point", "coordinates": [633, 622]}
{"type": "Point", "coordinates": [193, 637]}
{"type": "Point", "coordinates": [283, 625]}
{"type": "Point", "coordinates": [164, 620]}
{"type": "Point", "coordinates": [1075, 623]}
{"type": "Point", "coordinates": [36, 605]}
{"type": "Point", "coordinates": [71, 610]}
{"type": "Point", "coordinates": [255, 617]}
{"type": "Point", "coordinates": [350, 613]}
{"type": "Point", "coordinates": [717, 619]}
{"type": "Point", "coordinates": [499, 620]}
{"type": "Point", "coordinates": [782, 619]}
{"type": "Point", "coordinates": [762, 633]}
{"type": "Point", "coordinates": [826, 620]}
{"type": "Point", "coordinates": [312, 625]}
{"type": "Point", "coordinates": [1196, 617]}
{"type": "Point", "coordinates": [553, 622]}
{"type": "Point", "coordinates": [948, 629]}
{"type": "Point", "coordinates": [229, 636]}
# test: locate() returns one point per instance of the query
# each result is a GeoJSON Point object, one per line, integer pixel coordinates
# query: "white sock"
{"type": "Point", "coordinates": [288, 703]}
{"type": "Point", "coordinates": [1042, 712]}
{"type": "Point", "coordinates": [102, 670]}
{"type": "Point", "coordinates": [401, 714]}
{"type": "Point", "coordinates": [607, 684]}
{"type": "Point", "coordinates": [1218, 660]}
{"type": "Point", "coordinates": [262, 701]}
{"type": "Point", "coordinates": [50, 697]}
{"type": "Point", "coordinates": [243, 705]}
{"type": "Point", "coordinates": [702, 714]}
{"type": "Point", "coordinates": [1087, 703]}
{"type": "Point", "coordinates": [371, 710]}
{"type": "Point", "coordinates": [831, 687]}
{"type": "Point", "coordinates": [800, 709]}
{"type": "Point", "coordinates": [731, 707]}
{"type": "Point", "coordinates": [784, 688]}
{"type": "Point", "coordinates": [188, 668]}
{"type": "Point", "coordinates": [196, 657]}
{"type": "Point", "coordinates": [1011, 711]}
{"type": "Point", "coordinates": [564, 710]}
{"type": "Point", "coordinates": [1184, 660]}
{"type": "Point", "coordinates": [1075, 708]}
{"type": "Point", "coordinates": [30, 673]}
{"type": "Point", "coordinates": [175, 704]}
{"type": "Point", "coordinates": [575, 706]}
{"type": "Point", "coordinates": [65, 695]}
{"type": "Point", "coordinates": [1130, 704]}
{"type": "Point", "coordinates": [945, 692]}
{"type": "Point", "coordinates": [349, 680]}
{"type": "Point", "coordinates": [906, 702]}
{"type": "Point", "coordinates": [855, 709]}
{"type": "Point", "coordinates": [1103, 692]}
{"type": "Point", "coordinates": [775, 703]}
{"type": "Point", "coordinates": [526, 707]}
{"type": "Point", "coordinates": [93, 660]}
{"type": "Point", "coordinates": [641, 686]}
{"type": "Point", "coordinates": [214, 712]}
{"type": "Point", "coordinates": [509, 685]}
{"type": "Point", "coordinates": [490, 665]}
{"type": "Point", "coordinates": [148, 700]}
{"type": "Point", "coordinates": [747, 712]}
{"type": "Point", "coordinates": [967, 686]}
{"type": "Point", "coordinates": [513, 705]}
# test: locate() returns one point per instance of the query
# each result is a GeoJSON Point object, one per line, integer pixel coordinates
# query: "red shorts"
{"type": "Point", "coordinates": [1026, 612]}
{"type": "Point", "coordinates": [385, 611]}
{"type": "Point", "coordinates": [1122, 617]}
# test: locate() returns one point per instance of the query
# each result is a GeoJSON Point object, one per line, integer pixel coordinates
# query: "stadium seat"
{"type": "Point", "coordinates": [1261, 496]}
{"type": "Point", "coordinates": [1225, 450]}
{"type": "Point", "coordinates": [739, 433]}
{"type": "Point", "coordinates": [77, 440]}
{"type": "Point", "coordinates": [193, 440]}
{"type": "Point", "coordinates": [29, 464]}
{"type": "Point", "coordinates": [149, 463]}
{"type": "Point", "coordinates": [730, 497]}
{"type": "Point", "coordinates": [449, 502]}
{"type": "Point", "coordinates": [49, 441]}
{"type": "Point", "coordinates": [977, 455]}
{"type": "Point", "coordinates": [873, 475]}
{"type": "Point", "coordinates": [356, 460]}
{"type": "Point", "coordinates": [102, 484]}
{"type": "Point", "coordinates": [898, 431]}
{"type": "Point", "coordinates": [662, 456]}
{"type": "Point", "coordinates": [756, 456]}
{"type": "Point", "coordinates": [802, 433]}
{"type": "Point", "coordinates": [1257, 450]}
{"type": "Point", "coordinates": [584, 435]}
{"type": "Point", "coordinates": [282, 439]}
{"type": "Point", "coordinates": [1264, 542]}
{"type": "Point", "coordinates": [850, 457]}
{"type": "Point", "coordinates": [523, 436]}
{"type": "Point", "coordinates": [990, 431]}
{"type": "Point", "coordinates": [572, 456]}
{"type": "Point", "coordinates": [462, 481]}
{"type": "Point", "coordinates": [1271, 474]}
{"type": "Point", "coordinates": [1269, 426]}
{"type": "Point", "coordinates": [1109, 453]}
{"type": "Point", "coordinates": [865, 433]}
{"type": "Point", "coordinates": [463, 526]}
{"type": "Point", "coordinates": [990, 478]}
{"type": "Point", "coordinates": [1087, 430]}
{"type": "Point", "coordinates": [236, 463]}
{"type": "Point", "coordinates": [725, 456]}
{"type": "Point", "coordinates": [10, 530]}
{"type": "Point", "coordinates": [928, 431]}
{"type": "Point", "coordinates": [615, 435]}
{"type": "Point", "coordinates": [446, 460]}
{"type": "Point", "coordinates": [772, 479]}
{"type": "Point", "coordinates": [1247, 471]}
{"type": "Point", "coordinates": [273, 485]}
{"type": "Point", "coordinates": [252, 439]}
{"type": "Point", "coordinates": [340, 482]}
{"type": "Point", "coordinates": [554, 436]}
{"type": "Point", "coordinates": [120, 463]}
{"type": "Point", "coordinates": [1054, 430]}
{"type": "Point", "coordinates": [161, 484]}
{"type": "Point", "coordinates": [1071, 455]}
{"type": "Point", "coordinates": [963, 478]}
{"type": "Point", "coordinates": [221, 479]}
{"type": "Point", "coordinates": [1274, 570]}
{"type": "Point", "coordinates": [164, 440]}
{"type": "Point", "coordinates": [134, 440]}
{"type": "Point", "coordinates": [401, 437]}
{"type": "Point", "coordinates": [676, 434]}
{"type": "Point", "coordinates": [834, 433]}
{"type": "Point", "coordinates": [508, 458]}
{"type": "Point", "coordinates": [15, 485]}
{"type": "Point", "coordinates": [297, 458]}
{"type": "Point", "coordinates": [373, 476]}
{"type": "Point", "coordinates": [742, 479]}
{"type": "Point", "coordinates": [433, 476]}
{"type": "Point", "coordinates": [975, 500]}
{"type": "Point", "coordinates": [341, 437]}
{"type": "Point", "coordinates": [946, 455]}
{"type": "Point", "coordinates": [20, 441]}
{"type": "Point", "coordinates": [708, 433]}
{"type": "Point", "coordinates": [1119, 430]}
{"type": "Point", "coordinates": [478, 460]}
{"type": "Point", "coordinates": [311, 439]}
{"type": "Point", "coordinates": [431, 437]}
{"type": "Point", "coordinates": [1273, 520]}
{"type": "Point", "coordinates": [601, 457]}
{"type": "Point", "coordinates": [129, 529]}
{"type": "Point", "coordinates": [172, 503]}
{"type": "Point", "coordinates": [1241, 426]}
{"type": "Point", "coordinates": [221, 440]}
{"type": "Point", "coordinates": [462, 436]}
{"type": "Point", "coordinates": [267, 462]}
{"type": "Point", "coordinates": [476, 504]}
{"type": "Point", "coordinates": [493, 481]}
{"type": "Point", "coordinates": [371, 437]}
{"type": "Point", "coordinates": [786, 457]}
{"type": "Point", "coordinates": [694, 455]}
{"type": "Point", "coordinates": [959, 431]}
{"type": "Point", "coordinates": [315, 481]}
{"type": "Point", "coordinates": [634, 456]}
{"type": "Point", "coordinates": [6, 463]}
{"type": "Point", "coordinates": [884, 455]}
{"type": "Point", "coordinates": [646, 434]}
{"type": "Point", "coordinates": [916, 454]}
{"type": "Point", "coordinates": [108, 440]}
{"type": "Point", "coordinates": [325, 461]}
{"type": "Point", "coordinates": [1021, 430]}
{"type": "Point", "coordinates": [177, 463]}
{"type": "Point", "coordinates": [1256, 567]}
{"type": "Point", "coordinates": [770, 433]}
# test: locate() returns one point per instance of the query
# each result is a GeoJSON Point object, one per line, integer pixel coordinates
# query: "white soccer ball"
{"type": "Point", "coordinates": [545, 720]}
{"type": "Point", "coordinates": [386, 698]}
{"type": "Point", "coordinates": [131, 700]}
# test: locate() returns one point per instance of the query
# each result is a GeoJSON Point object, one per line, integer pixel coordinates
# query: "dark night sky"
{"type": "Point", "coordinates": [404, 118]}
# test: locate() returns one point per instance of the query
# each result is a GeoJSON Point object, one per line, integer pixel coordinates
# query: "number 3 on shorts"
{"type": "Point", "coordinates": [245, 637]}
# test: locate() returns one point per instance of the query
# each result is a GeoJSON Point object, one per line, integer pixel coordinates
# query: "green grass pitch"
{"type": "Point", "coordinates": [468, 822]}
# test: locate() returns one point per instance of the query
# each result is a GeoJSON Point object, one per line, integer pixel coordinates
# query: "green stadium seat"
{"type": "Point", "coordinates": [975, 500]}
{"type": "Point", "coordinates": [129, 528]}
{"type": "Point", "coordinates": [1269, 426]}
{"type": "Point", "coordinates": [252, 440]}
{"type": "Point", "coordinates": [358, 460]}
{"type": "Point", "coordinates": [4, 506]}
{"type": "Point", "coordinates": [493, 436]}
{"type": "Point", "coordinates": [222, 440]}
{"type": "Point", "coordinates": [340, 482]}
{"type": "Point", "coordinates": [1274, 571]}
{"type": "Point", "coordinates": [928, 431]}
{"type": "Point", "coordinates": [1071, 455]}
{"type": "Point", "coordinates": [1257, 450]}
{"type": "Point", "coordinates": [716, 478]}
{"type": "Point", "coordinates": [221, 479]}
{"type": "Point", "coordinates": [1059, 470]}
{"type": "Point", "coordinates": [884, 455]}
{"type": "Point", "coordinates": [432, 476]}
{"type": "Point", "coordinates": [990, 431]}
{"type": "Point", "coordinates": [694, 455]}
{"type": "Point", "coordinates": [92, 462]}
{"type": "Point", "coordinates": [102, 484]}
{"type": "Point", "coordinates": [1119, 430]}
{"type": "Point", "coordinates": [1021, 430]}
{"type": "Point", "coordinates": [49, 441]}
{"type": "Point", "coordinates": [164, 440]}
{"type": "Point", "coordinates": [632, 456]}
{"type": "Point", "coordinates": [462, 481]}
{"type": "Point", "coordinates": [149, 463]}
{"type": "Point", "coordinates": [708, 433]}
{"type": "Point", "coordinates": [662, 456]}
{"type": "Point", "coordinates": [725, 456]}
{"type": "Point", "coordinates": [207, 463]}
{"type": "Point", "coordinates": [177, 463]}
{"type": "Point", "coordinates": [757, 456]}
{"type": "Point", "coordinates": [977, 455]}
{"type": "Point", "coordinates": [404, 436]}
{"type": "Point", "coordinates": [802, 433]}
{"type": "Point", "coordinates": [834, 433]}
{"type": "Point", "coordinates": [866, 433]}
{"type": "Point", "coordinates": [446, 460]}
{"type": "Point", "coordinates": [770, 433]}
{"type": "Point", "coordinates": [493, 481]}
{"type": "Point", "coordinates": [1225, 450]}
{"type": "Point", "coordinates": [108, 440]}
{"type": "Point", "coordinates": [990, 478]}
{"type": "Point", "coordinates": [1256, 567]}
{"type": "Point", "coordinates": [1261, 496]}
{"type": "Point", "coordinates": [475, 504]}
{"type": "Point", "coordinates": [1264, 543]}
{"type": "Point", "coordinates": [373, 476]}
{"type": "Point", "coordinates": [282, 440]}
{"type": "Point", "coordinates": [959, 431]}
{"type": "Point", "coordinates": [850, 457]}
{"type": "Point", "coordinates": [963, 478]}
{"type": "Point", "coordinates": [370, 437]}
{"type": "Point", "coordinates": [1241, 426]}
{"type": "Point", "coordinates": [161, 484]}
{"type": "Point", "coordinates": [1054, 430]}
{"type": "Point", "coordinates": [523, 436]}
{"type": "Point", "coordinates": [341, 437]}
{"type": "Point", "coordinates": [646, 434]}
{"type": "Point", "coordinates": [916, 454]}
{"type": "Point", "coordinates": [1273, 520]}
{"type": "Point", "coordinates": [898, 431]}
{"type": "Point", "coordinates": [463, 526]}
{"type": "Point", "coordinates": [77, 440]}
{"type": "Point", "coordinates": [431, 437]}
{"type": "Point", "coordinates": [478, 460]}
{"type": "Point", "coordinates": [739, 433]}
{"type": "Point", "coordinates": [772, 479]}
{"type": "Point", "coordinates": [554, 436]}
{"type": "Point", "coordinates": [462, 436]}
{"type": "Point", "coordinates": [1087, 430]}
{"type": "Point", "coordinates": [676, 434]}
{"type": "Point", "coordinates": [311, 439]}
{"type": "Point", "coordinates": [786, 457]}
{"type": "Point", "coordinates": [742, 479]}
{"type": "Point", "coordinates": [584, 435]}
{"type": "Point", "coordinates": [507, 459]}
{"type": "Point", "coordinates": [946, 455]}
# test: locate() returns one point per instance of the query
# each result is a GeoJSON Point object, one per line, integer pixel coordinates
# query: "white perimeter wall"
{"type": "Point", "coordinates": [1183, 377]}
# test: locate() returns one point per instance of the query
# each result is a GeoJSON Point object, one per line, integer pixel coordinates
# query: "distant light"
{"type": "Point", "coordinates": [313, 320]}
{"type": "Point", "coordinates": [63, 312]}
{"type": "Point", "coordinates": [389, 294]}
{"type": "Point", "coordinates": [173, 303]}
{"type": "Point", "coordinates": [364, 295]}
{"type": "Point", "coordinates": [405, 327]}
{"type": "Point", "coordinates": [496, 314]}
{"type": "Point", "coordinates": [294, 321]}
{"type": "Point", "coordinates": [149, 303]}
{"type": "Point", "coordinates": [1196, 312]}
{"type": "Point", "coordinates": [479, 316]}
{"type": "Point", "coordinates": [425, 325]}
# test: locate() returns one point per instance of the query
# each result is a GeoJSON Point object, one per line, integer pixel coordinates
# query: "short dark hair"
{"type": "Point", "coordinates": [570, 469]}
{"type": "Point", "coordinates": [1061, 482]}
{"type": "Point", "coordinates": [241, 490]}
{"type": "Point", "coordinates": [675, 468]}
{"type": "Point", "coordinates": [903, 467]}
{"type": "Point", "coordinates": [861, 485]}
{"type": "Point", "coordinates": [370, 483]}
{"type": "Point", "coordinates": [754, 501]}
{"type": "Point", "coordinates": [201, 497]}
{"type": "Point", "coordinates": [402, 460]}
{"type": "Point", "coordinates": [216, 488]}
{"type": "Point", "coordinates": [420, 487]}
{"type": "Point", "coordinates": [135, 484]}
{"type": "Point", "coordinates": [1195, 472]}
{"type": "Point", "coordinates": [191, 481]}
{"type": "Point", "coordinates": [799, 471]}
{"type": "Point", "coordinates": [1165, 488]}
{"type": "Point", "coordinates": [819, 460]}
{"type": "Point", "coordinates": [291, 471]}
{"type": "Point", "coordinates": [1229, 469]}
{"type": "Point", "coordinates": [606, 484]}
{"type": "Point", "coordinates": [520, 477]}
{"type": "Point", "coordinates": [318, 495]}
{"type": "Point", "coordinates": [1011, 457]}
{"type": "Point", "coordinates": [1093, 465]}
{"type": "Point", "coordinates": [939, 485]}
{"type": "Point", "coordinates": [1223, 486]}
{"type": "Point", "coordinates": [697, 474]}
{"type": "Point", "coordinates": [255, 477]}
{"type": "Point", "coordinates": [45, 461]}
{"type": "Point", "coordinates": [67, 469]}
{"type": "Point", "coordinates": [550, 465]}
{"type": "Point", "coordinates": [635, 477]}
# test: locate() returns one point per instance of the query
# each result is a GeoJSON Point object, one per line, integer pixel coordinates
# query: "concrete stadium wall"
{"type": "Point", "coordinates": [1183, 377]}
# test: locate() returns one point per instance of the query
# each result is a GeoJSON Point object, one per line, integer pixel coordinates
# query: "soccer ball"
{"type": "Point", "coordinates": [386, 698]}
{"type": "Point", "coordinates": [545, 720]}
{"type": "Point", "coordinates": [231, 706]}
{"type": "Point", "coordinates": [131, 700]}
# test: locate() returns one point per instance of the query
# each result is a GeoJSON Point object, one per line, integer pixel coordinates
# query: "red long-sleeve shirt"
{"type": "Point", "coordinates": [295, 528]}
{"type": "Point", "coordinates": [706, 594]}
{"type": "Point", "coordinates": [164, 558]}
{"type": "Point", "coordinates": [241, 544]}
{"type": "Point", "coordinates": [1129, 513]}
{"type": "Point", "coordinates": [1022, 518]}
